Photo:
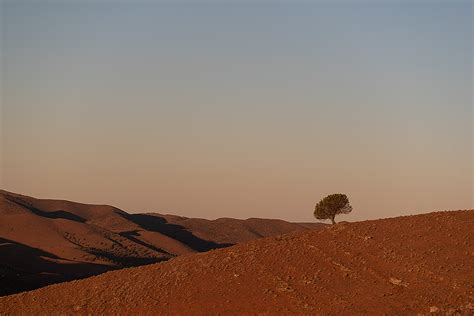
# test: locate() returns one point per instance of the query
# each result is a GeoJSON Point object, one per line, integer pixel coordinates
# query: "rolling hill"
{"type": "Point", "coordinates": [49, 241]}
{"type": "Point", "coordinates": [411, 265]}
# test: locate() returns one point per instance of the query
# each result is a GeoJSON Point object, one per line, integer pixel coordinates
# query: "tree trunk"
{"type": "Point", "coordinates": [333, 221]}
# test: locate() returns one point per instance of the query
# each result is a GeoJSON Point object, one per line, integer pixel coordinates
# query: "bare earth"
{"type": "Point", "coordinates": [401, 266]}
{"type": "Point", "coordinates": [50, 241]}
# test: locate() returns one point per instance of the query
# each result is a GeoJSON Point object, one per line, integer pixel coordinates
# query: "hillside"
{"type": "Point", "coordinates": [407, 265]}
{"type": "Point", "coordinates": [50, 241]}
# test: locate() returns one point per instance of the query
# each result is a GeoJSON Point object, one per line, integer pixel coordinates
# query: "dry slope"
{"type": "Point", "coordinates": [405, 265]}
{"type": "Point", "coordinates": [50, 241]}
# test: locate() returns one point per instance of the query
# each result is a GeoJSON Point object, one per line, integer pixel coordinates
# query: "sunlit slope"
{"type": "Point", "coordinates": [49, 241]}
{"type": "Point", "coordinates": [404, 265]}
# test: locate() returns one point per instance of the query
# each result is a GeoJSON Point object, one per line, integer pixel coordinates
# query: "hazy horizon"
{"type": "Point", "coordinates": [239, 110]}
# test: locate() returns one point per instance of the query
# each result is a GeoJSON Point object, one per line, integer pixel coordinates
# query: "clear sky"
{"type": "Point", "coordinates": [239, 110]}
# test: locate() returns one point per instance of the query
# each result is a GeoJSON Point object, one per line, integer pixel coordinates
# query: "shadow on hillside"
{"type": "Point", "coordinates": [124, 261]}
{"type": "Point", "coordinates": [160, 225]}
{"type": "Point", "coordinates": [25, 268]}
{"type": "Point", "coordinates": [53, 214]}
{"type": "Point", "coordinates": [130, 235]}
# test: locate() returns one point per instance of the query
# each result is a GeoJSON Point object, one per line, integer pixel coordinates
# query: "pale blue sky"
{"type": "Point", "coordinates": [239, 110]}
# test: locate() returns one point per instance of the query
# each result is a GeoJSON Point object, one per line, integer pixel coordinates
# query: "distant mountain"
{"type": "Point", "coordinates": [50, 241]}
{"type": "Point", "coordinates": [412, 265]}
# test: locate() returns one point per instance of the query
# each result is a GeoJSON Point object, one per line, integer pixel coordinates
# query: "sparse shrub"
{"type": "Point", "coordinates": [331, 206]}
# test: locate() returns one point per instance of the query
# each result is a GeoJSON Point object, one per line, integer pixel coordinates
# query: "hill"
{"type": "Point", "coordinates": [49, 241]}
{"type": "Point", "coordinates": [408, 265]}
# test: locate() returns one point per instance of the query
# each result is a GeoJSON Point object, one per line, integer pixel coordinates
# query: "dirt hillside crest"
{"type": "Point", "coordinates": [408, 265]}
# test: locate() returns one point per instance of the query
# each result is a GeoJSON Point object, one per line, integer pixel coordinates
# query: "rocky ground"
{"type": "Point", "coordinates": [401, 266]}
{"type": "Point", "coordinates": [49, 241]}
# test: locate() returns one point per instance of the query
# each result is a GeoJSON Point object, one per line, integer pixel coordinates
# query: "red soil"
{"type": "Point", "coordinates": [50, 241]}
{"type": "Point", "coordinates": [408, 265]}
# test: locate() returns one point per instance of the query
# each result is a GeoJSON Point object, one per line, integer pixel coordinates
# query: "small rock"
{"type": "Point", "coordinates": [434, 309]}
{"type": "Point", "coordinates": [76, 308]}
{"type": "Point", "coordinates": [397, 282]}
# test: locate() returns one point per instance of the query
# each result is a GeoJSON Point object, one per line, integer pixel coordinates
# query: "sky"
{"type": "Point", "coordinates": [239, 109]}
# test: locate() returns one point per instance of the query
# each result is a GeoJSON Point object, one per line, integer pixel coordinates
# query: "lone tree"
{"type": "Point", "coordinates": [331, 206]}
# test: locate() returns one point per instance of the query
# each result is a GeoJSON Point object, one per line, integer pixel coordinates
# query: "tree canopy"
{"type": "Point", "coordinates": [332, 205]}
